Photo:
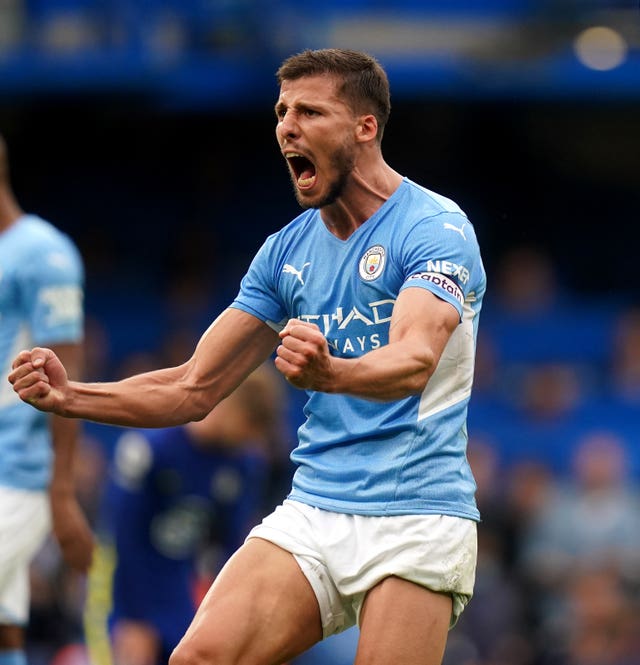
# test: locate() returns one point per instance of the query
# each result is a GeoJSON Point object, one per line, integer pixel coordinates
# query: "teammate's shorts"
{"type": "Point", "coordinates": [25, 520]}
{"type": "Point", "coordinates": [343, 556]}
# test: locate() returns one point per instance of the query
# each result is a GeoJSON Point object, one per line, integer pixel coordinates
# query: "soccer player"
{"type": "Point", "coordinates": [370, 299]}
{"type": "Point", "coordinates": [174, 494]}
{"type": "Point", "coordinates": [41, 302]}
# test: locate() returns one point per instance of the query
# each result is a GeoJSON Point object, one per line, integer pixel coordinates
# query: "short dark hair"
{"type": "Point", "coordinates": [365, 85]}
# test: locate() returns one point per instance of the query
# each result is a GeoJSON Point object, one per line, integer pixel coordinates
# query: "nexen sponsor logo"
{"type": "Point", "coordinates": [449, 268]}
{"type": "Point", "coordinates": [442, 282]}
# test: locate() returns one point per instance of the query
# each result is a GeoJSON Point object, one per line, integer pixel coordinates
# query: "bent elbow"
{"type": "Point", "coordinates": [418, 381]}
{"type": "Point", "coordinates": [200, 406]}
{"type": "Point", "coordinates": [198, 397]}
{"type": "Point", "coordinates": [417, 384]}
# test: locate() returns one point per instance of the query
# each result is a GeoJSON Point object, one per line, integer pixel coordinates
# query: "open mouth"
{"type": "Point", "coordinates": [303, 170]}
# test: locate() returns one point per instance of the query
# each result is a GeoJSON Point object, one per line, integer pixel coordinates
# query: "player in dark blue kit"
{"type": "Point", "coordinates": [172, 494]}
{"type": "Point", "coordinates": [370, 299]}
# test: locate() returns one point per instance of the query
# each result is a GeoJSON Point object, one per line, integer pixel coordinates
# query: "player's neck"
{"type": "Point", "coordinates": [362, 198]}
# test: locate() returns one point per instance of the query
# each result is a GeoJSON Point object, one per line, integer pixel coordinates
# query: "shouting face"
{"type": "Point", "coordinates": [316, 131]}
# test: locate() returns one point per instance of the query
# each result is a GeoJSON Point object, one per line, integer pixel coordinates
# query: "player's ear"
{"type": "Point", "coordinates": [367, 128]}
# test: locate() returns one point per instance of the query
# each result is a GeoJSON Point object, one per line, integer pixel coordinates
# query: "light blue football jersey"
{"type": "Point", "coordinates": [356, 455]}
{"type": "Point", "coordinates": [41, 293]}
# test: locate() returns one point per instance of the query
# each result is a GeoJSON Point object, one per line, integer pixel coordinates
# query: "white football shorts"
{"type": "Point", "coordinates": [343, 556]}
{"type": "Point", "coordinates": [25, 521]}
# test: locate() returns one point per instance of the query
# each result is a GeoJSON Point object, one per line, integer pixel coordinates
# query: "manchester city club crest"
{"type": "Point", "coordinates": [372, 263]}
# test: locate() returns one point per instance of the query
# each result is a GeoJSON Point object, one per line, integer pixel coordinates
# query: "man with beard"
{"type": "Point", "coordinates": [370, 299]}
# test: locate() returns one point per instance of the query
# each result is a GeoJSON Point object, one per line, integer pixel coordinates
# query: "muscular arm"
{"type": "Point", "coordinates": [234, 345]}
{"type": "Point", "coordinates": [420, 327]}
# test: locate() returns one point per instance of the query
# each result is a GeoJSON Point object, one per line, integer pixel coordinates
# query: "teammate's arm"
{"type": "Point", "coordinates": [233, 346]}
{"type": "Point", "coordinates": [421, 325]}
{"type": "Point", "coordinates": [70, 525]}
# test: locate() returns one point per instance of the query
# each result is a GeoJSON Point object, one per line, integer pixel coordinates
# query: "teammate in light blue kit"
{"type": "Point", "coordinates": [370, 299]}
{"type": "Point", "coordinates": [41, 287]}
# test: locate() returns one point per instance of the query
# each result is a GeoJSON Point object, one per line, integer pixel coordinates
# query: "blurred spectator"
{"type": "Point", "coordinates": [495, 631]}
{"type": "Point", "coordinates": [596, 624]}
{"type": "Point", "coordinates": [592, 517]}
{"type": "Point", "coordinates": [550, 391]}
{"type": "Point", "coordinates": [527, 282]}
{"type": "Point", "coordinates": [538, 410]}
{"type": "Point", "coordinates": [602, 624]}
{"type": "Point", "coordinates": [589, 521]}
{"type": "Point", "coordinates": [625, 357]}
{"type": "Point", "coordinates": [533, 317]}
{"type": "Point", "coordinates": [528, 484]}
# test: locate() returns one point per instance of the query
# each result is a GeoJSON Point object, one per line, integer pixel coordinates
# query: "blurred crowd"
{"type": "Point", "coordinates": [553, 441]}
{"type": "Point", "coordinates": [553, 430]}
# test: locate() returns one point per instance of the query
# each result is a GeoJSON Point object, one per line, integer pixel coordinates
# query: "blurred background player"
{"type": "Point", "coordinates": [41, 300]}
{"type": "Point", "coordinates": [178, 502]}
